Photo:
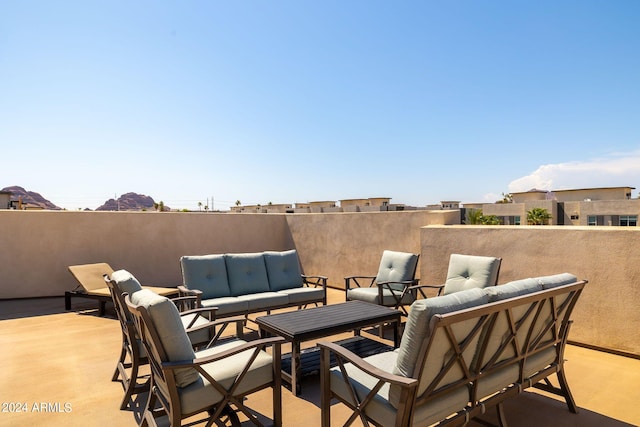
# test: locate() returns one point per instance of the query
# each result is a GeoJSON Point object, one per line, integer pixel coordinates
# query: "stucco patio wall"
{"type": "Point", "coordinates": [607, 313]}
{"type": "Point", "coordinates": [37, 246]}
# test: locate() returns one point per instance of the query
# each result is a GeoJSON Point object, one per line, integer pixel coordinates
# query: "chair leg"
{"type": "Point", "coordinates": [116, 374]}
{"type": "Point", "coordinates": [502, 419]}
{"type": "Point", "coordinates": [566, 392]}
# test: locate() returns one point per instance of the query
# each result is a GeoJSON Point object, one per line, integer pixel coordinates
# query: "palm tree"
{"type": "Point", "coordinates": [474, 216]}
{"type": "Point", "coordinates": [490, 220]}
{"type": "Point", "coordinates": [199, 206]}
{"type": "Point", "coordinates": [538, 216]}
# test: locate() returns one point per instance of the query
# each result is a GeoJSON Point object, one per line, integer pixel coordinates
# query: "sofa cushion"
{"type": "Point", "coordinates": [247, 273]}
{"type": "Point", "coordinates": [227, 305]}
{"type": "Point", "coordinates": [207, 273]}
{"type": "Point", "coordinates": [470, 271]}
{"type": "Point", "coordinates": [555, 280]}
{"type": "Point", "coordinates": [303, 295]}
{"type": "Point", "coordinates": [417, 327]}
{"type": "Point", "coordinates": [264, 300]}
{"type": "Point", "coordinates": [513, 289]}
{"type": "Point", "coordinates": [125, 281]}
{"type": "Point", "coordinates": [173, 338]}
{"type": "Point", "coordinates": [283, 270]}
{"type": "Point", "coordinates": [396, 267]}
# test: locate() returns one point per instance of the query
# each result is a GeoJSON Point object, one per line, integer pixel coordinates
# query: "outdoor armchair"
{"type": "Point", "coordinates": [391, 287]}
{"type": "Point", "coordinates": [185, 383]}
{"type": "Point", "coordinates": [196, 322]}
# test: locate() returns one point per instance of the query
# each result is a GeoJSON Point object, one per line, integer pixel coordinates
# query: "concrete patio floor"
{"type": "Point", "coordinates": [57, 369]}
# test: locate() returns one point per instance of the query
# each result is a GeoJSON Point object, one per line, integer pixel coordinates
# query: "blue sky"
{"type": "Point", "coordinates": [298, 101]}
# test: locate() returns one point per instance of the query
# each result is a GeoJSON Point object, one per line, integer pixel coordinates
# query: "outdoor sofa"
{"type": "Point", "coordinates": [244, 283]}
{"type": "Point", "coordinates": [459, 355]}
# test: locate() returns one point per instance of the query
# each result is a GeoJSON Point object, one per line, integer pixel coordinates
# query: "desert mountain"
{"type": "Point", "coordinates": [30, 197]}
{"type": "Point", "coordinates": [129, 202]}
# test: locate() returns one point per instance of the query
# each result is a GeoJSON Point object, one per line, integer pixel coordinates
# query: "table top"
{"type": "Point", "coordinates": [326, 320]}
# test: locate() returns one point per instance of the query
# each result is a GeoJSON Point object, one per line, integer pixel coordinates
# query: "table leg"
{"type": "Point", "coordinates": [295, 368]}
{"type": "Point", "coordinates": [396, 333]}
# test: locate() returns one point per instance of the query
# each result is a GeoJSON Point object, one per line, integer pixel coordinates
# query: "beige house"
{"type": "Point", "coordinates": [5, 199]}
{"type": "Point", "coordinates": [608, 206]}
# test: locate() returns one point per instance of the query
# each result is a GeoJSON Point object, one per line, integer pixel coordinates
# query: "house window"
{"type": "Point", "coordinates": [575, 217]}
{"type": "Point", "coordinates": [516, 220]}
{"type": "Point", "coordinates": [592, 220]}
{"type": "Point", "coordinates": [629, 220]}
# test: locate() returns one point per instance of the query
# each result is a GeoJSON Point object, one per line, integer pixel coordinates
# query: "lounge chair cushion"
{"type": "Point", "coordinates": [556, 280]}
{"type": "Point", "coordinates": [247, 273]}
{"type": "Point", "coordinates": [513, 289]}
{"type": "Point", "coordinates": [207, 273]}
{"type": "Point", "coordinates": [467, 272]}
{"type": "Point", "coordinates": [126, 281]}
{"type": "Point", "coordinates": [396, 267]}
{"type": "Point", "coordinates": [283, 270]}
{"type": "Point", "coordinates": [173, 337]}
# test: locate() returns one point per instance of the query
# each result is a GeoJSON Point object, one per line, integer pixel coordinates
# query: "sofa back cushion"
{"type": "Point", "coordinates": [513, 289]}
{"type": "Point", "coordinates": [125, 281]}
{"type": "Point", "coordinates": [168, 326]}
{"type": "Point", "coordinates": [397, 267]}
{"type": "Point", "coordinates": [247, 273]}
{"type": "Point", "coordinates": [283, 270]}
{"type": "Point", "coordinates": [555, 280]}
{"type": "Point", "coordinates": [470, 271]}
{"type": "Point", "coordinates": [207, 273]}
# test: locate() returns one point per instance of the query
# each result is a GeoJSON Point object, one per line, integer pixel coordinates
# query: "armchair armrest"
{"type": "Point", "coordinates": [349, 279]}
{"type": "Point", "coordinates": [365, 366]}
{"type": "Point", "coordinates": [216, 332]}
{"type": "Point", "coordinates": [255, 344]}
{"type": "Point", "coordinates": [208, 313]}
{"type": "Point", "coordinates": [417, 287]}
{"type": "Point", "coordinates": [316, 281]}
{"type": "Point", "coordinates": [184, 303]}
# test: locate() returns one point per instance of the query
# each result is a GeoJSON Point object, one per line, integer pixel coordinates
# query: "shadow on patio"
{"type": "Point", "coordinates": [58, 365]}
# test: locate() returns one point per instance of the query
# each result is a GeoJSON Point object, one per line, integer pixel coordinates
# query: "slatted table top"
{"type": "Point", "coordinates": [317, 322]}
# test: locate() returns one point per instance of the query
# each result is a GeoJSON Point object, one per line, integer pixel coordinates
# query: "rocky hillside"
{"type": "Point", "coordinates": [30, 197]}
{"type": "Point", "coordinates": [130, 202]}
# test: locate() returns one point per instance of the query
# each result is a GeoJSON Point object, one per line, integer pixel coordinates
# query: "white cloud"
{"type": "Point", "coordinates": [613, 170]}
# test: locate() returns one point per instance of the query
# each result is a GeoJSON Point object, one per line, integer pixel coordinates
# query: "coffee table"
{"type": "Point", "coordinates": [319, 322]}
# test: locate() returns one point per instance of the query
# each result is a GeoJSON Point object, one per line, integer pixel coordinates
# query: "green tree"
{"type": "Point", "coordinates": [506, 198]}
{"type": "Point", "coordinates": [490, 220]}
{"type": "Point", "coordinates": [538, 216]}
{"type": "Point", "coordinates": [199, 206]}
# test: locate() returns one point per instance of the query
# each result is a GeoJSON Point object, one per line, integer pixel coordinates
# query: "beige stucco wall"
{"type": "Point", "coordinates": [607, 313]}
{"type": "Point", "coordinates": [37, 246]}
{"type": "Point", "coordinates": [345, 244]}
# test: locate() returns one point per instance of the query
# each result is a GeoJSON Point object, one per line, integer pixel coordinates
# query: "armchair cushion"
{"type": "Point", "coordinates": [202, 393]}
{"type": "Point", "coordinates": [467, 272]}
{"type": "Point", "coordinates": [396, 267]}
{"type": "Point", "coordinates": [371, 295]}
{"type": "Point", "coordinates": [126, 281]}
{"type": "Point", "coordinates": [247, 273]}
{"type": "Point", "coordinates": [173, 337]}
{"type": "Point", "coordinates": [283, 270]}
{"type": "Point", "coordinates": [207, 273]}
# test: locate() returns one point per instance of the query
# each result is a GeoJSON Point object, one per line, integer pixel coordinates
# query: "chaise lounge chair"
{"type": "Point", "coordinates": [91, 285]}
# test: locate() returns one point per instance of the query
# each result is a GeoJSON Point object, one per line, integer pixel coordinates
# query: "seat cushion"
{"type": "Point", "coordinates": [303, 295]}
{"type": "Point", "coordinates": [173, 338]}
{"type": "Point", "coordinates": [227, 305]}
{"type": "Point", "coordinates": [283, 270]}
{"type": "Point", "coordinates": [207, 273]}
{"type": "Point", "coordinates": [199, 336]}
{"type": "Point", "coordinates": [247, 273]}
{"type": "Point", "coordinates": [264, 300]}
{"type": "Point", "coordinates": [202, 393]}
{"type": "Point", "coordinates": [468, 271]}
{"type": "Point", "coordinates": [125, 281]}
{"type": "Point", "coordinates": [371, 295]}
{"type": "Point", "coordinates": [396, 267]}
